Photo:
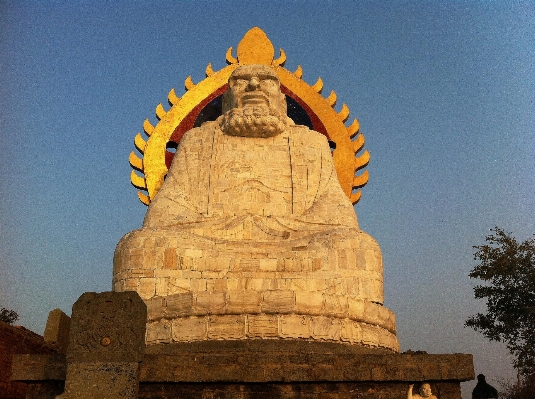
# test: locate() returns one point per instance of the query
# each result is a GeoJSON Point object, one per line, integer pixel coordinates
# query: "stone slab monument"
{"type": "Point", "coordinates": [256, 279]}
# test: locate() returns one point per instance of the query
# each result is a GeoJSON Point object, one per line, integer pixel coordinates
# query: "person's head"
{"type": "Point", "coordinates": [425, 390]}
{"type": "Point", "coordinates": [481, 378]}
{"type": "Point", "coordinates": [254, 105]}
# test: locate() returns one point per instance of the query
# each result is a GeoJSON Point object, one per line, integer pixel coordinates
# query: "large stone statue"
{"type": "Point", "coordinates": [252, 237]}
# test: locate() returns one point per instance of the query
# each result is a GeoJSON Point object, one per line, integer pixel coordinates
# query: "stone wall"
{"type": "Point", "coordinates": [106, 354]}
{"type": "Point", "coordinates": [16, 340]}
{"type": "Point", "coordinates": [318, 390]}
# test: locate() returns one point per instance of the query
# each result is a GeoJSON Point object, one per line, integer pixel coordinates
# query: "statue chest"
{"type": "Point", "coordinates": [251, 176]}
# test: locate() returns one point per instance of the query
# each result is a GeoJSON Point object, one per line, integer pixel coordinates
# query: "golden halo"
{"type": "Point", "coordinates": [254, 48]}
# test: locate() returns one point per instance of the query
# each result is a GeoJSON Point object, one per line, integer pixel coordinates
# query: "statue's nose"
{"type": "Point", "coordinates": [253, 83]}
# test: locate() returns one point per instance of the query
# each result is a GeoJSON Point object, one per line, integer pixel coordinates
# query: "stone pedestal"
{"type": "Point", "coordinates": [329, 288]}
{"type": "Point", "coordinates": [106, 358]}
{"type": "Point", "coordinates": [257, 369]}
{"type": "Point", "coordinates": [292, 371]}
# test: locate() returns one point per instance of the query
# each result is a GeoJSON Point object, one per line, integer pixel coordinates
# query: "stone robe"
{"type": "Point", "coordinates": [253, 238]}
{"type": "Point", "coordinates": [264, 189]}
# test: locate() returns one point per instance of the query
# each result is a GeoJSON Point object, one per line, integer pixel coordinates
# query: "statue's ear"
{"type": "Point", "coordinates": [284, 104]}
{"type": "Point", "coordinates": [226, 102]}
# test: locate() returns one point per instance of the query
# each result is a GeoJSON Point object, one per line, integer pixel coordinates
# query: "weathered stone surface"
{"type": "Point", "coordinates": [334, 390]}
{"type": "Point", "coordinates": [106, 345]}
{"type": "Point", "coordinates": [102, 380]}
{"type": "Point", "coordinates": [251, 220]}
{"type": "Point", "coordinates": [304, 362]}
{"type": "Point", "coordinates": [57, 330]}
{"type": "Point", "coordinates": [44, 390]}
{"type": "Point", "coordinates": [16, 341]}
{"type": "Point", "coordinates": [32, 367]}
{"type": "Point", "coordinates": [292, 369]}
{"type": "Point", "coordinates": [107, 326]}
{"type": "Point", "coordinates": [255, 359]}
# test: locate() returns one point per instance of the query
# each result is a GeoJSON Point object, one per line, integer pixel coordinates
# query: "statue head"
{"type": "Point", "coordinates": [425, 390]}
{"type": "Point", "coordinates": [254, 105]}
{"type": "Point", "coordinates": [254, 85]}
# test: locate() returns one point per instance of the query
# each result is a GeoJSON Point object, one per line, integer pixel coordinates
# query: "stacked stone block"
{"type": "Point", "coordinates": [215, 289]}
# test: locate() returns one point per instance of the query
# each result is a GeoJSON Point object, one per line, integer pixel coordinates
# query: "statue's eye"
{"type": "Point", "coordinates": [238, 83]}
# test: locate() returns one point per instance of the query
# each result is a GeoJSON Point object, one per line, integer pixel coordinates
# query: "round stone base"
{"type": "Point", "coordinates": [277, 327]}
{"type": "Point", "coordinates": [261, 347]}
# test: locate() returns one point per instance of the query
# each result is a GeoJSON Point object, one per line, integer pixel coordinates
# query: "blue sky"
{"type": "Point", "coordinates": [444, 92]}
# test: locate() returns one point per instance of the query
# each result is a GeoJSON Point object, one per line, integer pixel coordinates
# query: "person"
{"type": "Point", "coordinates": [424, 392]}
{"type": "Point", "coordinates": [252, 175]}
{"type": "Point", "coordinates": [483, 390]}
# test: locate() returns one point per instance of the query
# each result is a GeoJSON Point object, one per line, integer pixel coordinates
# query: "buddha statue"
{"type": "Point", "coordinates": [251, 237]}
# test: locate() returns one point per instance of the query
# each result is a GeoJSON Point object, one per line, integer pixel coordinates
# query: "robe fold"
{"type": "Point", "coordinates": [304, 198]}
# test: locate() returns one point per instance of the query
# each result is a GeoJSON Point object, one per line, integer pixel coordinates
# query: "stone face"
{"type": "Point", "coordinates": [251, 221]}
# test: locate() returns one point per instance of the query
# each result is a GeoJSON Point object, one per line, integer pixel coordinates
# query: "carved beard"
{"type": "Point", "coordinates": [253, 121]}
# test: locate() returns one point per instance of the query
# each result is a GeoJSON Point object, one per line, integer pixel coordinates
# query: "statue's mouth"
{"type": "Point", "coordinates": [254, 99]}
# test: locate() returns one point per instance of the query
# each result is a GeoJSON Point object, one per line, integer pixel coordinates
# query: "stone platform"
{"type": "Point", "coordinates": [270, 370]}
{"type": "Point", "coordinates": [106, 359]}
